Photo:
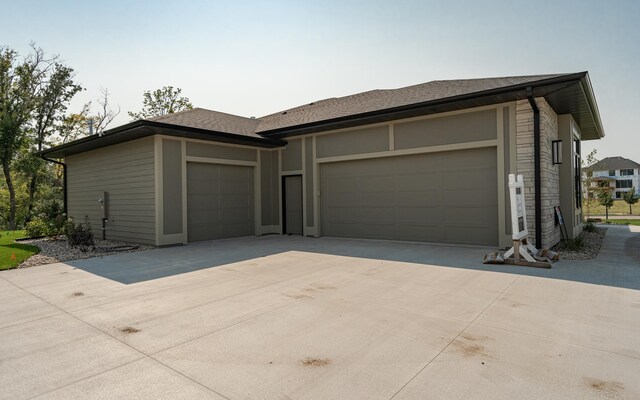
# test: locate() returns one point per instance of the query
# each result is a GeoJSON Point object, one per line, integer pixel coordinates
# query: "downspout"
{"type": "Point", "coordinates": [64, 181]}
{"type": "Point", "coordinates": [536, 166]}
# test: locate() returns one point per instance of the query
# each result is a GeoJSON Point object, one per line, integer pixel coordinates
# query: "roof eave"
{"type": "Point", "coordinates": [144, 128]}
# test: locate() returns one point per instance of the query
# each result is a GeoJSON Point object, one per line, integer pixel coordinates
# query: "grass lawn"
{"type": "Point", "coordinates": [619, 208]}
{"type": "Point", "coordinates": [12, 253]}
{"type": "Point", "coordinates": [623, 222]}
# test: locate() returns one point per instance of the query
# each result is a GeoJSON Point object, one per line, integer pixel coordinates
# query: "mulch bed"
{"type": "Point", "coordinates": [53, 250]}
{"type": "Point", "coordinates": [591, 244]}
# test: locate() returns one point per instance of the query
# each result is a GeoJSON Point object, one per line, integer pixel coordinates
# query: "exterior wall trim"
{"type": "Point", "coordinates": [417, 150]}
{"type": "Point", "coordinates": [207, 160]}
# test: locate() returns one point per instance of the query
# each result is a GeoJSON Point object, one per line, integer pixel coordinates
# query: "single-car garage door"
{"type": "Point", "coordinates": [447, 197]}
{"type": "Point", "coordinates": [219, 201]}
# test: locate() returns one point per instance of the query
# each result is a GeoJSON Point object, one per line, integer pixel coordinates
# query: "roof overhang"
{"type": "Point", "coordinates": [143, 128]}
{"type": "Point", "coordinates": [567, 94]}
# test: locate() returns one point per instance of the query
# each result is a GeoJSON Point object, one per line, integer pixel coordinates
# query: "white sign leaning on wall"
{"type": "Point", "coordinates": [520, 233]}
{"type": "Point", "coordinates": [518, 209]}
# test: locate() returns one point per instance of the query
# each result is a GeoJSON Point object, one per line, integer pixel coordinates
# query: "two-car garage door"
{"type": "Point", "coordinates": [448, 197]}
{"type": "Point", "coordinates": [220, 201]}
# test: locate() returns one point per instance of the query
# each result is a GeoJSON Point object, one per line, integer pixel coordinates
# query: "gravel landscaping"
{"type": "Point", "coordinates": [591, 243]}
{"type": "Point", "coordinates": [53, 250]}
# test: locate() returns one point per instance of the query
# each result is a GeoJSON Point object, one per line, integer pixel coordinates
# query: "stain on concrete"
{"type": "Point", "coordinates": [77, 294]}
{"type": "Point", "coordinates": [468, 345]}
{"type": "Point", "coordinates": [129, 330]}
{"type": "Point", "coordinates": [298, 296]}
{"type": "Point", "coordinates": [609, 389]}
{"type": "Point", "coordinates": [315, 362]}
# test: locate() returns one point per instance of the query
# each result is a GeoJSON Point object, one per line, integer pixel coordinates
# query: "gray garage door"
{"type": "Point", "coordinates": [219, 201]}
{"type": "Point", "coordinates": [448, 197]}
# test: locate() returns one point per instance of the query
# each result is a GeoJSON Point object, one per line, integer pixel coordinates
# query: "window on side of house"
{"type": "Point", "coordinates": [612, 172]}
{"type": "Point", "coordinates": [626, 172]}
{"type": "Point", "coordinates": [623, 184]}
{"type": "Point", "coordinates": [618, 195]}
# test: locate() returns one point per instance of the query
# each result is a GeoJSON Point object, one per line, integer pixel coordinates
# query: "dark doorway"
{"type": "Point", "coordinates": [292, 204]}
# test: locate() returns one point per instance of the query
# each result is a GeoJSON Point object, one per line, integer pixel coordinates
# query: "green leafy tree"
{"type": "Point", "coordinates": [591, 191]}
{"type": "Point", "coordinates": [52, 99]}
{"type": "Point", "coordinates": [19, 82]}
{"type": "Point", "coordinates": [34, 94]}
{"type": "Point", "coordinates": [607, 201]}
{"type": "Point", "coordinates": [161, 102]}
{"type": "Point", "coordinates": [630, 198]}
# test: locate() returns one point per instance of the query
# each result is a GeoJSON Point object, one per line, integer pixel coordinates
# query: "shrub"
{"type": "Point", "coordinates": [37, 227]}
{"type": "Point", "coordinates": [573, 244]}
{"type": "Point", "coordinates": [589, 227]}
{"type": "Point", "coordinates": [79, 235]}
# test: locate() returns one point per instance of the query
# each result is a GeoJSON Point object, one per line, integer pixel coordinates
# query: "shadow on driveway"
{"type": "Point", "coordinates": [617, 265]}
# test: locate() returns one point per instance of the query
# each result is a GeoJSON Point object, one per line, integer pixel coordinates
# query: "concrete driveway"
{"type": "Point", "coordinates": [289, 317]}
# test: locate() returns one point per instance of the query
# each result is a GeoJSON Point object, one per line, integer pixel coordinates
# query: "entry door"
{"type": "Point", "coordinates": [292, 204]}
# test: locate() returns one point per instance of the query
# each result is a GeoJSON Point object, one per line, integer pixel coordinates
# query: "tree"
{"type": "Point", "coordinates": [105, 114]}
{"type": "Point", "coordinates": [607, 201]}
{"type": "Point", "coordinates": [34, 94]}
{"type": "Point", "coordinates": [161, 102]}
{"type": "Point", "coordinates": [52, 99]}
{"type": "Point", "coordinates": [592, 192]}
{"type": "Point", "coordinates": [630, 198]}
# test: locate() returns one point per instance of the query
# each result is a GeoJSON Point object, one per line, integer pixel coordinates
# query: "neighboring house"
{"type": "Point", "coordinates": [616, 174]}
{"type": "Point", "coordinates": [427, 163]}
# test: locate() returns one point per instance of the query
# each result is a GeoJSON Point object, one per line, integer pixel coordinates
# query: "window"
{"type": "Point", "coordinates": [612, 172]}
{"type": "Point", "coordinates": [618, 195]}
{"type": "Point", "coordinates": [623, 184]}
{"type": "Point", "coordinates": [626, 172]}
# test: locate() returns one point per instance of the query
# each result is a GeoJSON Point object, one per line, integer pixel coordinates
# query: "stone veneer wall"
{"type": "Point", "coordinates": [550, 173]}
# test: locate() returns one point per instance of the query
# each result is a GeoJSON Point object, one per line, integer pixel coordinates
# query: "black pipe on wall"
{"type": "Point", "coordinates": [536, 166]}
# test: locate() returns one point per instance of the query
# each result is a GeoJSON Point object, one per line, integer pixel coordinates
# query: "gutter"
{"type": "Point", "coordinates": [64, 180]}
{"type": "Point", "coordinates": [536, 165]}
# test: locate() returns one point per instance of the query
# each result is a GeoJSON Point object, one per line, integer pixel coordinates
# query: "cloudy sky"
{"type": "Point", "coordinates": [255, 58]}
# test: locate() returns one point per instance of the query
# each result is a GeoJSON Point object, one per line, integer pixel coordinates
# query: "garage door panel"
{"type": "Point", "coordinates": [376, 198]}
{"type": "Point", "coordinates": [446, 197]}
{"type": "Point", "coordinates": [470, 179]}
{"type": "Point", "coordinates": [419, 198]}
{"type": "Point", "coordinates": [407, 181]}
{"type": "Point", "coordinates": [219, 201]}
{"type": "Point", "coordinates": [471, 216]}
{"type": "Point", "coordinates": [462, 197]}
{"type": "Point", "coordinates": [420, 215]}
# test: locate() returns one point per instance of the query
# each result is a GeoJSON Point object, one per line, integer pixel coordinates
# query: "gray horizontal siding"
{"type": "Point", "coordinates": [126, 172]}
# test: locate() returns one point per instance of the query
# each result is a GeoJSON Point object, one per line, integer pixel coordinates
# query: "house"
{"type": "Point", "coordinates": [428, 162]}
{"type": "Point", "coordinates": [616, 174]}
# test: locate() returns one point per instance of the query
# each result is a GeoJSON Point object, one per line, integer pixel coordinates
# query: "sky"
{"type": "Point", "coordinates": [253, 58]}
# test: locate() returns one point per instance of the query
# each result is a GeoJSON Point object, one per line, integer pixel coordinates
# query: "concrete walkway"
{"type": "Point", "coordinates": [291, 317]}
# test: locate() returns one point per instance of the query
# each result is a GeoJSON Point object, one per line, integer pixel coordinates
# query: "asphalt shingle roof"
{"type": "Point", "coordinates": [211, 120]}
{"type": "Point", "coordinates": [337, 107]}
{"type": "Point", "coordinates": [376, 100]}
{"type": "Point", "coordinates": [614, 163]}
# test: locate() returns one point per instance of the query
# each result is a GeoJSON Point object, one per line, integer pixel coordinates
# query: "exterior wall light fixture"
{"type": "Point", "coordinates": [556, 151]}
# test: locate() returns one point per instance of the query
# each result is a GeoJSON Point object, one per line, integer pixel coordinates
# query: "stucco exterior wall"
{"type": "Point", "coordinates": [550, 174]}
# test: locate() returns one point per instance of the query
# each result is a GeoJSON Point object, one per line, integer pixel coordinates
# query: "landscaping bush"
{"type": "Point", "coordinates": [79, 235]}
{"type": "Point", "coordinates": [573, 244]}
{"type": "Point", "coordinates": [36, 228]}
{"type": "Point", "coordinates": [42, 226]}
{"type": "Point", "coordinates": [589, 227]}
